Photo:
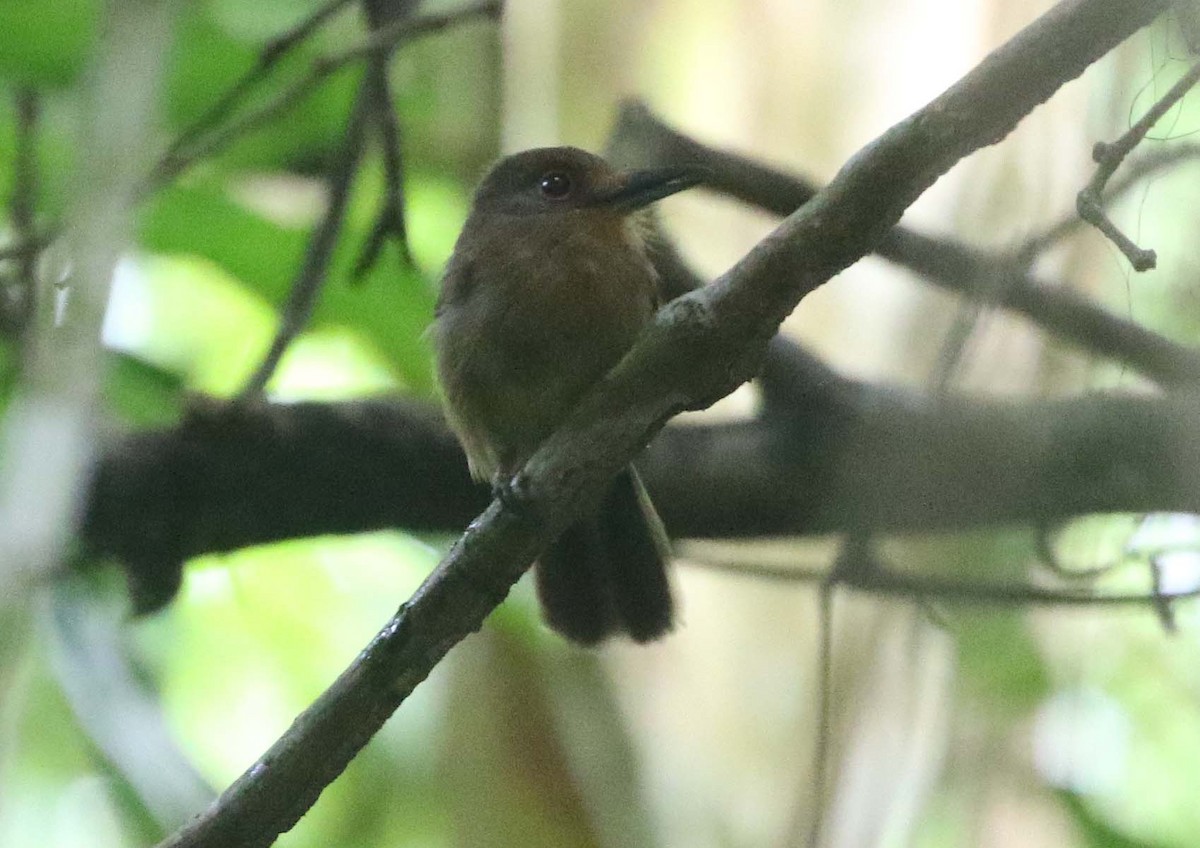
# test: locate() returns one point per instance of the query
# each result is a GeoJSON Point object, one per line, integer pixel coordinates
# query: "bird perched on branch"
{"type": "Point", "coordinates": [548, 287]}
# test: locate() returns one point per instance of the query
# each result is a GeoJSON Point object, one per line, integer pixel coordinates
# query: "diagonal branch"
{"type": "Point", "coordinates": [642, 138]}
{"type": "Point", "coordinates": [378, 43]}
{"type": "Point", "coordinates": [271, 54]}
{"type": "Point", "coordinates": [302, 298]}
{"type": "Point", "coordinates": [389, 220]}
{"type": "Point", "coordinates": [700, 347]}
{"type": "Point", "coordinates": [1110, 156]}
{"type": "Point", "coordinates": [1145, 166]}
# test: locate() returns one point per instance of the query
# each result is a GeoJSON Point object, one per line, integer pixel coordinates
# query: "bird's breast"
{"type": "Point", "coordinates": [531, 320]}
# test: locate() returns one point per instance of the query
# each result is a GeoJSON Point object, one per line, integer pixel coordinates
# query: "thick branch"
{"type": "Point", "coordinates": [846, 454]}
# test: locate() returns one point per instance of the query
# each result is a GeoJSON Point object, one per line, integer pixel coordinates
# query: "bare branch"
{"type": "Point", "coordinates": [843, 453]}
{"type": "Point", "coordinates": [273, 51]}
{"type": "Point", "coordinates": [643, 139]}
{"type": "Point", "coordinates": [387, 39]}
{"type": "Point", "coordinates": [1110, 156]}
{"type": "Point", "coordinates": [1145, 166]}
{"type": "Point", "coordinates": [17, 307]}
{"type": "Point", "coordinates": [822, 748]}
{"type": "Point", "coordinates": [302, 298]}
{"type": "Point", "coordinates": [373, 98]}
{"type": "Point", "coordinates": [389, 221]}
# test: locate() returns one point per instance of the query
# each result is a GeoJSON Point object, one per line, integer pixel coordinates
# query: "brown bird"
{"type": "Point", "coordinates": [548, 287]}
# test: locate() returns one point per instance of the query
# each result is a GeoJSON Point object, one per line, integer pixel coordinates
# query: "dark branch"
{"type": "Point", "coordinates": [389, 221]}
{"type": "Point", "coordinates": [845, 454]}
{"type": "Point", "coordinates": [641, 138]}
{"type": "Point", "coordinates": [22, 210]}
{"type": "Point", "coordinates": [382, 42]}
{"type": "Point", "coordinates": [302, 298]}
{"type": "Point", "coordinates": [273, 51]}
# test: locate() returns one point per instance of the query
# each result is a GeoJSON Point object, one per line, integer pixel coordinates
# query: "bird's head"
{"type": "Point", "coordinates": [549, 180]}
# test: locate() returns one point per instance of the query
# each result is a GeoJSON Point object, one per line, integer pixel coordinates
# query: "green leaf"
{"type": "Point", "coordinates": [142, 394]}
{"type": "Point", "coordinates": [255, 636]}
{"type": "Point", "coordinates": [1096, 832]}
{"type": "Point", "coordinates": [1000, 661]}
{"type": "Point", "coordinates": [47, 42]}
{"type": "Point", "coordinates": [208, 61]}
{"type": "Point", "coordinates": [390, 308]}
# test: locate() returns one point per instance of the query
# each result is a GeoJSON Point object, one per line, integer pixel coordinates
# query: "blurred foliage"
{"type": "Point", "coordinates": [255, 635]}
{"type": "Point", "coordinates": [46, 43]}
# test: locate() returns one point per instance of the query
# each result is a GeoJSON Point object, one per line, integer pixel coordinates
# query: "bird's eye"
{"type": "Point", "coordinates": [555, 185]}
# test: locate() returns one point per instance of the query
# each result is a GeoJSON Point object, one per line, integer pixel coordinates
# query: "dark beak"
{"type": "Point", "coordinates": [641, 188]}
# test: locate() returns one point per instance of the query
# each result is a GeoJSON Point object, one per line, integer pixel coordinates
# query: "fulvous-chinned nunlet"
{"type": "Point", "coordinates": [548, 287]}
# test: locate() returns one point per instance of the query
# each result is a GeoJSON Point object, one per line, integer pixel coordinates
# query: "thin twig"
{"type": "Point", "coordinates": [885, 583]}
{"type": "Point", "coordinates": [302, 298]}
{"type": "Point", "coordinates": [389, 220]}
{"type": "Point", "coordinates": [385, 40]}
{"type": "Point", "coordinates": [1145, 166]}
{"type": "Point", "coordinates": [22, 209]}
{"type": "Point", "coordinates": [270, 55]}
{"type": "Point", "coordinates": [991, 289]}
{"type": "Point", "coordinates": [856, 560]}
{"type": "Point", "coordinates": [1048, 558]}
{"type": "Point", "coordinates": [1110, 156]}
{"type": "Point", "coordinates": [1162, 600]}
{"type": "Point", "coordinates": [824, 739]}
{"type": "Point", "coordinates": [986, 294]}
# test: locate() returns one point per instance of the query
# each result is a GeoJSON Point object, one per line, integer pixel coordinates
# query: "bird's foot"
{"type": "Point", "coordinates": [512, 492]}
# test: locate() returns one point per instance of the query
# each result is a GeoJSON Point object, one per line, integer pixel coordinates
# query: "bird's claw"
{"type": "Point", "coordinates": [512, 492]}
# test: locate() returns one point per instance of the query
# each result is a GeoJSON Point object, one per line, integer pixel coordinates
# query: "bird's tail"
{"type": "Point", "coordinates": [608, 573]}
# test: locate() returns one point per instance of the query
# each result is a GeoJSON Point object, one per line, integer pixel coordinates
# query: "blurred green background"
{"type": "Point", "coordinates": [951, 726]}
